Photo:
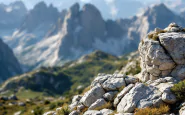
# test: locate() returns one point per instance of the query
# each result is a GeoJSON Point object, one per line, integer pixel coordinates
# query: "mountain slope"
{"type": "Point", "coordinates": [8, 63]}
{"type": "Point", "coordinates": [73, 33]}
{"type": "Point", "coordinates": [79, 32]}
{"type": "Point", "coordinates": [156, 16]}
{"type": "Point", "coordinates": [37, 23]}
{"type": "Point", "coordinates": [75, 76]}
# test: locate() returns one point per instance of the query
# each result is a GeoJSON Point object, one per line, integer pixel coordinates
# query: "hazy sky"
{"type": "Point", "coordinates": [58, 3]}
{"type": "Point", "coordinates": [111, 4]}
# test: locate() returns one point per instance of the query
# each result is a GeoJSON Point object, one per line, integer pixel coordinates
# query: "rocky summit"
{"type": "Point", "coordinates": [162, 66]}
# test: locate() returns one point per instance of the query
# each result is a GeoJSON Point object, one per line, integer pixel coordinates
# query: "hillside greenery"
{"type": "Point", "coordinates": [70, 79]}
{"type": "Point", "coordinates": [58, 83]}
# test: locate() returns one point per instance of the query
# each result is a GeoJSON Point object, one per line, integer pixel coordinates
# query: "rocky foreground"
{"type": "Point", "coordinates": [162, 64]}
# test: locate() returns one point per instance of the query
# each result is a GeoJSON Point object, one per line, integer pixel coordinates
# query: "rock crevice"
{"type": "Point", "coordinates": [164, 55]}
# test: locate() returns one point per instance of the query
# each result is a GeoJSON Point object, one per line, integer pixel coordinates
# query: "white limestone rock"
{"type": "Point", "coordinates": [114, 83]}
{"type": "Point", "coordinates": [75, 113]}
{"type": "Point", "coordinates": [98, 104]}
{"type": "Point", "coordinates": [109, 96]}
{"type": "Point", "coordinates": [92, 95]}
{"type": "Point", "coordinates": [169, 98]}
{"type": "Point", "coordinates": [138, 97]}
{"type": "Point", "coordinates": [92, 112]}
{"type": "Point", "coordinates": [122, 94]}
{"type": "Point", "coordinates": [182, 111]}
{"type": "Point", "coordinates": [106, 111]}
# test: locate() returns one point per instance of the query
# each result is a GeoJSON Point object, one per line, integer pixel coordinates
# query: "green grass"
{"type": "Point", "coordinates": [27, 94]}
{"type": "Point", "coordinates": [179, 90]}
{"type": "Point", "coordinates": [69, 76]}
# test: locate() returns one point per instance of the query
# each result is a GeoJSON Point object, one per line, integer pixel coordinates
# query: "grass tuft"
{"type": "Point", "coordinates": [163, 109]}
{"type": "Point", "coordinates": [154, 36]}
{"type": "Point", "coordinates": [179, 90]}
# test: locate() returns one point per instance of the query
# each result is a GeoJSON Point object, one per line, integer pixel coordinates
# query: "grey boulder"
{"type": "Point", "coordinates": [92, 95]}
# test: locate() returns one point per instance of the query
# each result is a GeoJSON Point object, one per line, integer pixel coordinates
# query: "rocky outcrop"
{"type": "Point", "coordinates": [164, 56]}
{"type": "Point", "coordinates": [161, 67]}
{"type": "Point", "coordinates": [8, 62]}
{"type": "Point", "coordinates": [133, 95]}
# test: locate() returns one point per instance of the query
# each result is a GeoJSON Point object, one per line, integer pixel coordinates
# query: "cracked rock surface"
{"type": "Point", "coordinates": [165, 56]}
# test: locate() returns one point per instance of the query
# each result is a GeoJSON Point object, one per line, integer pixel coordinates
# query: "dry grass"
{"type": "Point", "coordinates": [106, 106]}
{"type": "Point", "coordinates": [121, 88]}
{"type": "Point", "coordinates": [64, 111]}
{"type": "Point", "coordinates": [154, 36]}
{"type": "Point", "coordinates": [84, 110]}
{"type": "Point", "coordinates": [163, 109]}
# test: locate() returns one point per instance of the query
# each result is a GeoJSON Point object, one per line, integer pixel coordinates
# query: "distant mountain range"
{"type": "Point", "coordinates": [47, 37]}
{"type": "Point", "coordinates": [11, 17]}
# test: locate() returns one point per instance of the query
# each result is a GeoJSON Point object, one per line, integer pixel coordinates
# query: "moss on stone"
{"type": "Point", "coordinates": [155, 35]}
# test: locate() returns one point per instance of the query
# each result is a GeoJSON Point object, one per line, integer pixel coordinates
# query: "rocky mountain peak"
{"type": "Point", "coordinates": [40, 5]}
{"type": "Point", "coordinates": [81, 27]}
{"type": "Point", "coordinates": [11, 16]}
{"type": "Point", "coordinates": [74, 9]}
{"type": "Point", "coordinates": [90, 8]}
{"type": "Point", "coordinates": [158, 11]}
{"type": "Point", "coordinates": [17, 3]}
{"type": "Point", "coordinates": [39, 15]}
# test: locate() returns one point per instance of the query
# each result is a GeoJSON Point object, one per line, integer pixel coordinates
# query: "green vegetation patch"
{"type": "Point", "coordinates": [179, 90]}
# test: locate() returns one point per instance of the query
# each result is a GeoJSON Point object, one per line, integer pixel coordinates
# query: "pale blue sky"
{"type": "Point", "coordinates": [102, 5]}
{"type": "Point", "coordinates": [59, 3]}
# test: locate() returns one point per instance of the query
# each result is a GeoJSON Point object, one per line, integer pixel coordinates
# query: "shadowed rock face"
{"type": "Point", "coordinates": [164, 56]}
{"type": "Point", "coordinates": [8, 63]}
{"type": "Point", "coordinates": [84, 30]}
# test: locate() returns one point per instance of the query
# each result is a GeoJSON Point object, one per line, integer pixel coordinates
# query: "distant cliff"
{"type": "Point", "coordinates": [8, 63]}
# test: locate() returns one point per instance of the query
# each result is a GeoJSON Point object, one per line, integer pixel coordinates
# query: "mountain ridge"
{"type": "Point", "coordinates": [9, 64]}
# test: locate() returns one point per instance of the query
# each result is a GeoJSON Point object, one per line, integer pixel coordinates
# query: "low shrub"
{"type": "Point", "coordinates": [46, 102]}
{"type": "Point", "coordinates": [163, 109]}
{"type": "Point", "coordinates": [52, 106]}
{"type": "Point", "coordinates": [106, 106]}
{"type": "Point", "coordinates": [179, 90]}
{"type": "Point", "coordinates": [38, 111]}
{"type": "Point", "coordinates": [64, 111]}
